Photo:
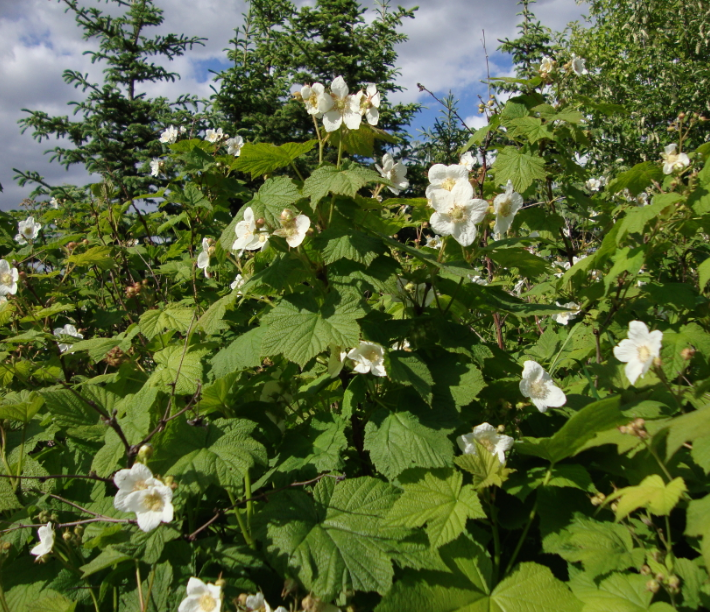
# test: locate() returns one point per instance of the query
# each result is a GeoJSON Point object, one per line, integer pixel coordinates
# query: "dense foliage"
{"type": "Point", "coordinates": [490, 394]}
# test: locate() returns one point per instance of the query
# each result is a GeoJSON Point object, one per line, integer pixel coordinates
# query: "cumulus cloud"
{"type": "Point", "coordinates": [38, 41]}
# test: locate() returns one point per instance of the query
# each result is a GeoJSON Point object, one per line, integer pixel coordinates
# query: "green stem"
{"type": "Point", "coordinates": [653, 452]}
{"type": "Point", "coordinates": [93, 598]}
{"type": "Point", "coordinates": [22, 452]}
{"type": "Point", "coordinates": [531, 518]}
{"type": "Point", "coordinates": [250, 503]}
{"type": "Point", "coordinates": [240, 521]}
{"type": "Point", "coordinates": [340, 151]}
{"type": "Point", "coordinates": [140, 586]}
{"type": "Point", "coordinates": [3, 602]}
{"type": "Point", "coordinates": [496, 539]}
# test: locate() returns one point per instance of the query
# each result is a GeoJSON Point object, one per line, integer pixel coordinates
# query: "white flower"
{"type": "Point", "coordinates": [393, 172]}
{"type": "Point", "coordinates": [638, 350]}
{"type": "Point", "coordinates": [54, 203]}
{"type": "Point", "coordinates": [518, 288]}
{"type": "Point", "coordinates": [505, 206]}
{"type": "Point", "coordinates": [566, 265]}
{"type": "Point", "coordinates": [445, 178]}
{"type": "Point", "coordinates": [578, 65]}
{"type": "Point", "coordinates": [46, 541]}
{"type": "Point", "coordinates": [249, 237]}
{"type": "Point", "coordinates": [478, 280]}
{"type": "Point", "coordinates": [215, 135]}
{"type": "Point", "coordinates": [255, 602]}
{"type": "Point", "coordinates": [203, 259]}
{"type": "Point", "coordinates": [593, 184]}
{"type": "Point", "coordinates": [146, 496]}
{"type": "Point", "coordinates": [170, 135]}
{"type": "Point", "coordinates": [156, 166]}
{"type": "Point", "coordinates": [434, 242]}
{"type": "Point", "coordinates": [370, 103]}
{"type": "Point", "coordinates": [183, 129]}
{"type": "Point", "coordinates": [488, 436]}
{"type": "Point", "coordinates": [238, 283]}
{"type": "Point", "coordinates": [314, 97]}
{"type": "Point", "coordinates": [673, 161]}
{"type": "Point", "coordinates": [565, 317]}
{"type": "Point", "coordinates": [201, 597]}
{"type": "Point", "coordinates": [369, 357]}
{"type": "Point", "coordinates": [335, 361]}
{"type": "Point", "coordinates": [344, 108]}
{"type": "Point", "coordinates": [234, 146]}
{"type": "Point", "coordinates": [456, 213]}
{"type": "Point", "coordinates": [293, 227]}
{"type": "Point", "coordinates": [27, 230]}
{"type": "Point", "coordinates": [467, 160]}
{"type": "Point", "coordinates": [8, 278]}
{"type": "Point", "coordinates": [547, 66]}
{"type": "Point", "coordinates": [539, 387]}
{"type": "Point", "coordinates": [67, 330]}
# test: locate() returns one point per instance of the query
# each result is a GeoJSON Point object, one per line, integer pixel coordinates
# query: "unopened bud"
{"type": "Point", "coordinates": [657, 362]}
{"type": "Point", "coordinates": [210, 250]}
{"type": "Point", "coordinates": [145, 453]}
{"type": "Point", "coordinates": [598, 499]}
{"type": "Point", "coordinates": [681, 115]}
{"type": "Point", "coordinates": [500, 429]}
{"type": "Point", "coordinates": [673, 582]}
{"type": "Point", "coordinates": [309, 603]}
{"type": "Point", "coordinates": [67, 536]}
{"type": "Point", "coordinates": [645, 570]}
{"type": "Point", "coordinates": [85, 241]}
{"type": "Point", "coordinates": [169, 481]}
{"type": "Point", "coordinates": [79, 530]}
{"type": "Point", "coordinates": [639, 423]}
{"type": "Point", "coordinates": [5, 547]}
{"type": "Point", "coordinates": [220, 582]}
{"type": "Point", "coordinates": [687, 353]}
{"type": "Point", "coordinates": [660, 577]}
{"type": "Point", "coordinates": [286, 215]}
{"type": "Point", "coordinates": [260, 221]}
{"type": "Point", "coordinates": [71, 245]}
{"type": "Point", "coordinates": [242, 599]}
{"type": "Point", "coordinates": [653, 586]}
{"type": "Point", "coordinates": [614, 506]}
{"type": "Point", "coordinates": [290, 586]}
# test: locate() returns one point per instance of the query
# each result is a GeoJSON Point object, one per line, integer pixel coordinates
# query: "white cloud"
{"type": "Point", "coordinates": [38, 41]}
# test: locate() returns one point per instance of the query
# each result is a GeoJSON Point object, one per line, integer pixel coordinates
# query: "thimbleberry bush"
{"type": "Point", "coordinates": [491, 395]}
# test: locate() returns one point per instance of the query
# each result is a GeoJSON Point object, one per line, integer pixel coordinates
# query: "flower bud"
{"type": "Point", "coordinates": [71, 246]}
{"type": "Point", "coordinates": [687, 353]}
{"type": "Point", "coordinates": [145, 453]}
{"type": "Point", "coordinates": [500, 428]}
{"type": "Point", "coordinates": [242, 599]}
{"type": "Point", "coordinates": [660, 577]}
{"type": "Point", "coordinates": [85, 241]}
{"type": "Point", "coordinates": [614, 506]}
{"type": "Point", "coordinates": [681, 116]}
{"type": "Point", "coordinates": [5, 547]}
{"type": "Point", "coordinates": [79, 530]}
{"type": "Point", "coordinates": [653, 586]}
{"type": "Point", "coordinates": [645, 570]}
{"type": "Point", "coordinates": [67, 536]}
{"type": "Point", "coordinates": [260, 221]}
{"type": "Point", "coordinates": [210, 251]}
{"type": "Point", "coordinates": [657, 362]}
{"type": "Point", "coordinates": [169, 481]}
{"type": "Point", "coordinates": [220, 582]}
{"type": "Point", "coordinates": [290, 586]}
{"type": "Point", "coordinates": [673, 582]}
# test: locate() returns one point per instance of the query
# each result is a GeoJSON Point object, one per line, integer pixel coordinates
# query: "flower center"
{"type": "Point", "coordinates": [207, 602]}
{"type": "Point", "coordinates": [154, 502]}
{"type": "Point", "coordinates": [487, 444]}
{"type": "Point", "coordinates": [644, 353]}
{"type": "Point", "coordinates": [340, 103]}
{"type": "Point", "coordinates": [448, 183]}
{"type": "Point", "coordinates": [370, 354]}
{"type": "Point", "coordinates": [6, 279]}
{"type": "Point", "coordinates": [457, 214]}
{"type": "Point", "coordinates": [504, 208]}
{"type": "Point", "coordinates": [538, 389]}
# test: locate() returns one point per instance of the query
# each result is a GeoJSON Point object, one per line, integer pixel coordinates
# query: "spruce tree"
{"type": "Point", "coordinates": [116, 126]}
{"type": "Point", "coordinates": [280, 48]}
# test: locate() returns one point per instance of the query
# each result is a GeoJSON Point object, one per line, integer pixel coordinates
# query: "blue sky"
{"type": "Point", "coordinates": [38, 41]}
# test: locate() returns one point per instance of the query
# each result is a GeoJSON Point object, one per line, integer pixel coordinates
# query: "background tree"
{"type": "Point", "coordinates": [117, 126]}
{"type": "Point", "coordinates": [652, 57]}
{"type": "Point", "coordinates": [280, 47]}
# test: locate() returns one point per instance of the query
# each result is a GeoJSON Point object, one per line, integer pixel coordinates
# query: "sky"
{"type": "Point", "coordinates": [39, 41]}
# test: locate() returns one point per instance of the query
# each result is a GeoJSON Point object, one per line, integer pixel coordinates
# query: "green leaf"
{"type": "Point", "coordinates": [107, 558]}
{"type": "Point", "coordinates": [531, 128]}
{"type": "Point", "coordinates": [575, 433]}
{"type": "Point", "coordinates": [601, 547]}
{"type": "Point", "coordinates": [698, 524]}
{"type": "Point", "coordinates": [315, 446]}
{"type": "Point", "coordinates": [244, 352]}
{"type": "Point", "coordinates": [485, 466]}
{"type": "Point", "coordinates": [520, 168]}
{"type": "Point", "coordinates": [411, 370]}
{"type": "Point", "coordinates": [686, 428]}
{"type": "Point", "coordinates": [21, 406]}
{"type": "Point", "coordinates": [55, 602]}
{"type": "Point", "coordinates": [100, 256]}
{"type": "Point", "coordinates": [528, 265]}
{"type": "Point", "coordinates": [338, 244]}
{"type": "Point", "coordinates": [173, 318]}
{"type": "Point", "coordinates": [271, 199]}
{"type": "Point", "coordinates": [703, 274]}
{"type": "Point", "coordinates": [219, 453]}
{"type": "Point", "coordinates": [617, 593]}
{"type": "Point", "coordinates": [399, 441]}
{"type": "Point", "coordinates": [179, 366]}
{"type": "Point", "coordinates": [264, 158]}
{"type": "Point", "coordinates": [638, 178]}
{"type": "Point", "coordinates": [300, 330]}
{"type": "Point", "coordinates": [652, 493]}
{"type": "Point", "coordinates": [337, 540]}
{"type": "Point", "coordinates": [436, 497]}
{"type": "Point", "coordinates": [329, 179]}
